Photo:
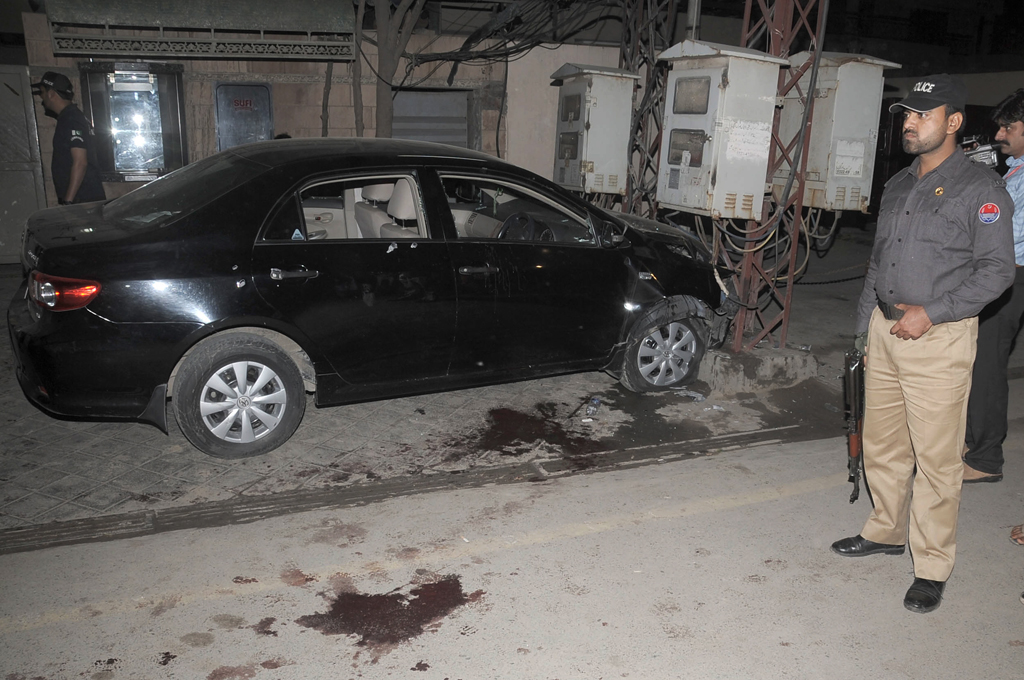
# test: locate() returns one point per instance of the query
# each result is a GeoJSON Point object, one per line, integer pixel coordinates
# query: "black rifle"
{"type": "Point", "coordinates": [854, 384]}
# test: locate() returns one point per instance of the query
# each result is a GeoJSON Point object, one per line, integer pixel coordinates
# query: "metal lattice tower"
{"type": "Point", "coordinates": [777, 28]}
{"type": "Point", "coordinates": [648, 27]}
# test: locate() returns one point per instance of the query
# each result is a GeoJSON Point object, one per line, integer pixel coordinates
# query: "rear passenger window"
{"type": "Point", "coordinates": [377, 207]}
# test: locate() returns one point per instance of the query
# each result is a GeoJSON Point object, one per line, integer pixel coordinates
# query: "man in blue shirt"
{"type": "Point", "coordinates": [1000, 320]}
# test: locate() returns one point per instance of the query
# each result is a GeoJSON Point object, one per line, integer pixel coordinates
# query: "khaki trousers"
{"type": "Point", "coordinates": [915, 415]}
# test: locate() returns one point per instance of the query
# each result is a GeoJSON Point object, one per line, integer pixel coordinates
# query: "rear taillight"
{"type": "Point", "coordinates": [60, 294]}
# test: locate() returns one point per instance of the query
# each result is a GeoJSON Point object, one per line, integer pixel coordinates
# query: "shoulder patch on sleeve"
{"type": "Point", "coordinates": [988, 213]}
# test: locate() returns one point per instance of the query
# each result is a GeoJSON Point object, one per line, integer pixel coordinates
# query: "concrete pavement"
{"type": "Point", "coordinates": [62, 481]}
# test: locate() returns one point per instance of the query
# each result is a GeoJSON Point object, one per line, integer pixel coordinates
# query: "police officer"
{"type": "Point", "coordinates": [943, 250]}
{"type": "Point", "coordinates": [76, 176]}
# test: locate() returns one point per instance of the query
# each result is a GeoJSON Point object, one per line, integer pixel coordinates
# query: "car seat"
{"type": "Point", "coordinates": [369, 215]}
{"type": "Point", "coordinates": [402, 207]}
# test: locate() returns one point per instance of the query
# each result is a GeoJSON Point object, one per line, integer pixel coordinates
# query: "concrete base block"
{"type": "Point", "coordinates": [754, 371]}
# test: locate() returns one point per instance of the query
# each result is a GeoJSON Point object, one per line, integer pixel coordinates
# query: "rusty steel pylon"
{"type": "Point", "coordinates": [648, 27]}
{"type": "Point", "coordinates": [776, 28]}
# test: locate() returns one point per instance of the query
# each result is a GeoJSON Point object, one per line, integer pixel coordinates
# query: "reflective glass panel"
{"type": "Point", "coordinates": [135, 122]}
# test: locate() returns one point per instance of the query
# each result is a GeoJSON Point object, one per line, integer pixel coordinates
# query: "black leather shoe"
{"type": "Point", "coordinates": [858, 546]}
{"type": "Point", "coordinates": [924, 595]}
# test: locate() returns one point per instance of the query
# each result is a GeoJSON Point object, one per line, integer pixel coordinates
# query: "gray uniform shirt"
{"type": "Point", "coordinates": [944, 241]}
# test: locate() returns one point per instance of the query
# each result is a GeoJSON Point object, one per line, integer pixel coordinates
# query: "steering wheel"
{"type": "Point", "coordinates": [518, 226]}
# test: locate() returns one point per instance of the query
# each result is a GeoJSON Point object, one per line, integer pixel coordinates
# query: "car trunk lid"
{"type": "Point", "coordinates": [55, 228]}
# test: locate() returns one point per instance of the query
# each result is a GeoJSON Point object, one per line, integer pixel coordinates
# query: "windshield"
{"type": "Point", "coordinates": [182, 191]}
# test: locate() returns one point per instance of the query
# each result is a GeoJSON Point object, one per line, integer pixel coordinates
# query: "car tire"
{"type": "Point", "coordinates": [665, 348]}
{"type": "Point", "coordinates": [227, 422]}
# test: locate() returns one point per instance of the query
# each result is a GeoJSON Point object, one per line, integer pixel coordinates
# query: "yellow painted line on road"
{"type": "Point", "coordinates": [675, 510]}
{"type": "Point", "coordinates": [445, 555]}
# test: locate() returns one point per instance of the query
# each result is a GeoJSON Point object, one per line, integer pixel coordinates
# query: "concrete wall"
{"type": "Point", "coordinates": [533, 102]}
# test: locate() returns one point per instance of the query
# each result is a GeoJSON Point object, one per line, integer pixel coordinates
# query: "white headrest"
{"type": "Point", "coordinates": [378, 192]}
{"type": "Point", "coordinates": [403, 202]}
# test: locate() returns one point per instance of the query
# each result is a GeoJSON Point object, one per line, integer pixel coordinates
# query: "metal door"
{"type": "Point", "coordinates": [432, 117]}
{"type": "Point", "coordinates": [245, 114]}
{"type": "Point", "coordinates": [21, 170]}
{"type": "Point", "coordinates": [692, 146]}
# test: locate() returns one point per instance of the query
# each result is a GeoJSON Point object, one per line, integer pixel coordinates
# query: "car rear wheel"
{"type": "Point", "coordinates": [238, 396]}
{"type": "Point", "coordinates": [664, 350]}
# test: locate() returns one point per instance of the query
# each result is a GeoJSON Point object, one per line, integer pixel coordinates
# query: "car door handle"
{"type": "Point", "coordinates": [478, 270]}
{"type": "Point", "coordinates": [303, 273]}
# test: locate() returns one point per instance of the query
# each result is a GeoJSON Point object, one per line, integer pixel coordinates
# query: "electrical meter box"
{"type": "Point", "coordinates": [844, 129]}
{"type": "Point", "coordinates": [595, 104]}
{"type": "Point", "coordinates": [717, 127]}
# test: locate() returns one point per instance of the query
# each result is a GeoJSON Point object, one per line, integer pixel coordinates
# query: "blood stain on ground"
{"type": "Point", "coordinates": [166, 603]}
{"type": "Point", "coordinates": [232, 673]}
{"type": "Point", "coordinates": [166, 658]}
{"type": "Point", "coordinates": [646, 424]}
{"type": "Point", "coordinates": [295, 577]}
{"type": "Point", "coordinates": [408, 553]}
{"type": "Point", "coordinates": [512, 433]}
{"type": "Point", "coordinates": [342, 583]}
{"type": "Point", "coordinates": [227, 621]}
{"type": "Point", "coordinates": [331, 532]}
{"type": "Point", "coordinates": [263, 627]}
{"type": "Point", "coordinates": [390, 618]}
{"type": "Point", "coordinates": [197, 639]}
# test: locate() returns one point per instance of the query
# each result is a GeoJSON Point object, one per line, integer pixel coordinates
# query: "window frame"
{"type": "Point", "coordinates": [294, 196]}
{"type": "Point", "coordinates": [96, 88]}
{"type": "Point", "coordinates": [583, 217]}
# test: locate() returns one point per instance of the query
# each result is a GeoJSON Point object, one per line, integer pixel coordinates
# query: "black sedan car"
{"type": "Point", "coordinates": [354, 269]}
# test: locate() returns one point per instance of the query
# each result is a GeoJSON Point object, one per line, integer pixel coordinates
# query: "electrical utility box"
{"type": "Point", "coordinates": [595, 104]}
{"type": "Point", "coordinates": [844, 129]}
{"type": "Point", "coordinates": [717, 126]}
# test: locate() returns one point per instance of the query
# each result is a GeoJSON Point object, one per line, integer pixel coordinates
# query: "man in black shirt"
{"type": "Point", "coordinates": [76, 176]}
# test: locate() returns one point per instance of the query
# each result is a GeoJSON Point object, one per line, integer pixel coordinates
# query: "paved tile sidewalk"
{"type": "Point", "coordinates": [53, 470]}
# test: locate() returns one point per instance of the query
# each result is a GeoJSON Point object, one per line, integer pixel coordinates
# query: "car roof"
{"type": "Point", "coordinates": [283, 151]}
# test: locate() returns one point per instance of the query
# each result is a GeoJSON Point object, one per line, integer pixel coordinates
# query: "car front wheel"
{"type": "Point", "coordinates": [238, 396]}
{"type": "Point", "coordinates": [664, 351]}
